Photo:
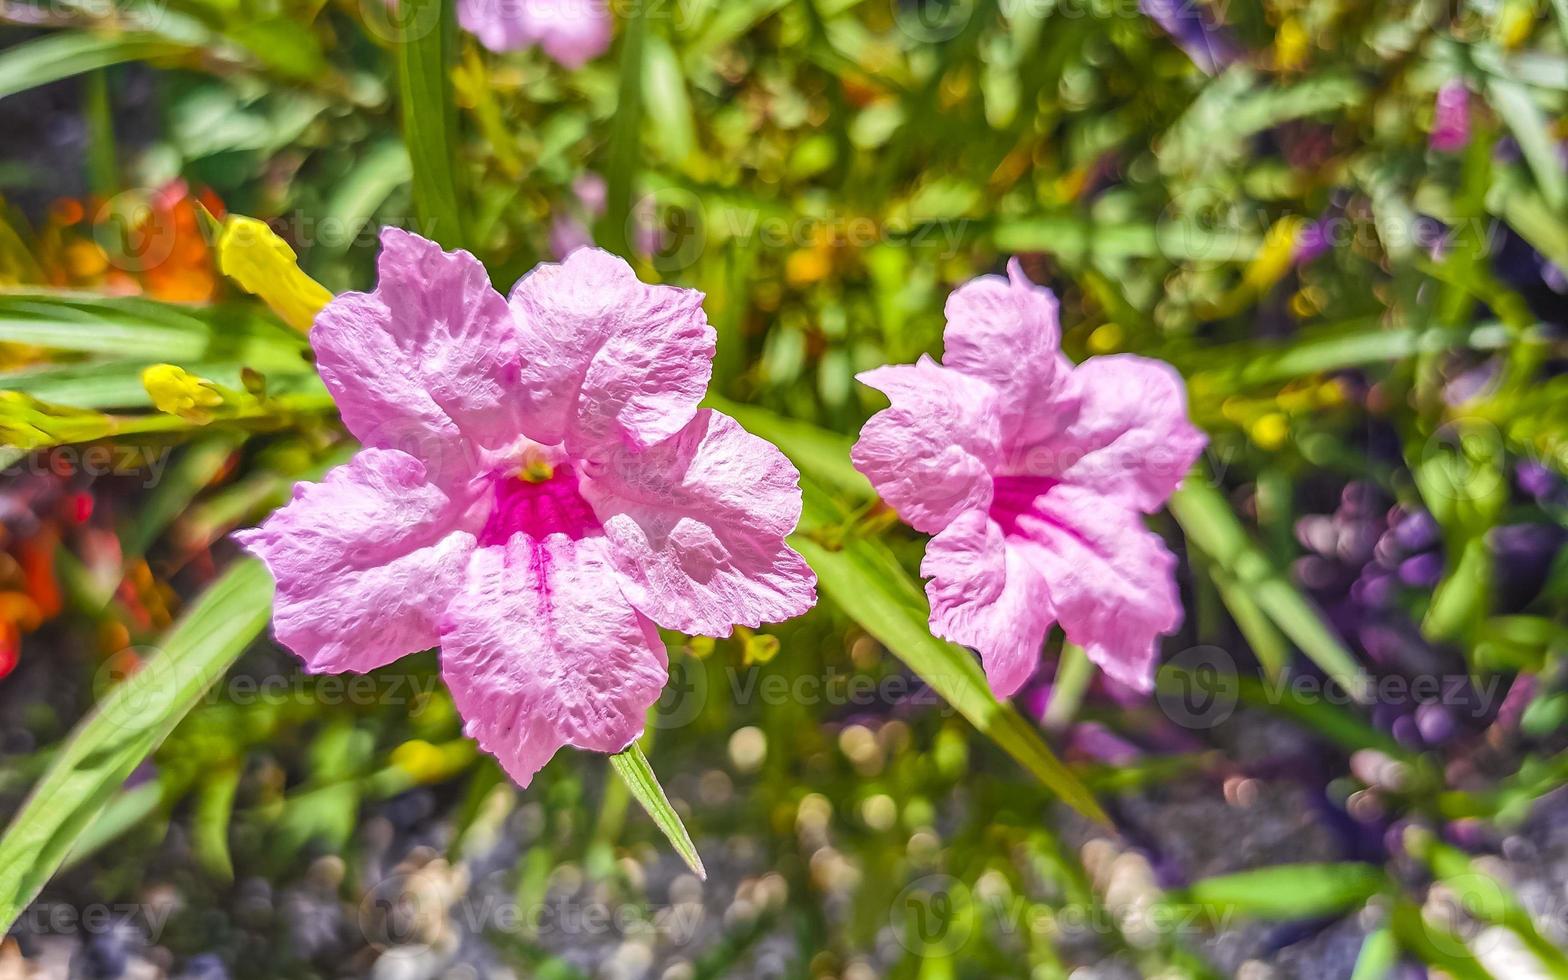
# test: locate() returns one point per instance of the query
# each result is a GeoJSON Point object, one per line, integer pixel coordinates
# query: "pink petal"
{"type": "Point", "coordinates": [697, 527]}
{"type": "Point", "coordinates": [984, 594]}
{"type": "Point", "coordinates": [1128, 438]}
{"type": "Point", "coordinates": [573, 32]}
{"type": "Point", "coordinates": [500, 25]}
{"type": "Point", "coordinates": [1005, 332]}
{"type": "Point", "coordinates": [608, 360]}
{"type": "Point", "coordinates": [541, 650]}
{"type": "Point", "coordinates": [931, 454]}
{"type": "Point", "coordinates": [1111, 579]}
{"type": "Point", "coordinates": [365, 562]}
{"type": "Point", "coordinates": [570, 31]}
{"type": "Point", "coordinates": [428, 362]}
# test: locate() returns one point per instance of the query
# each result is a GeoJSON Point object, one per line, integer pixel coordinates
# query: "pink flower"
{"type": "Point", "coordinates": [573, 32]}
{"type": "Point", "coordinates": [1451, 121]}
{"type": "Point", "coordinates": [538, 489]}
{"type": "Point", "coordinates": [1033, 476]}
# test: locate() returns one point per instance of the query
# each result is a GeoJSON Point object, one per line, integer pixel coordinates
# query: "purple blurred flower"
{"type": "Point", "coordinates": [1313, 242]}
{"type": "Point", "coordinates": [570, 228]}
{"type": "Point", "coordinates": [1092, 740]}
{"type": "Point", "coordinates": [1537, 480]}
{"type": "Point", "coordinates": [1523, 554]}
{"type": "Point", "coordinates": [1209, 46]}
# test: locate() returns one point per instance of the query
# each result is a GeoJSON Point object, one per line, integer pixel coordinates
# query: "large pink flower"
{"type": "Point", "coordinates": [1033, 476]}
{"type": "Point", "coordinates": [573, 32]}
{"type": "Point", "coordinates": [538, 488]}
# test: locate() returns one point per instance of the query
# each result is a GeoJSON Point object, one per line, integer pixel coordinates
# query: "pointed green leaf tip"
{"type": "Point", "coordinates": [632, 766]}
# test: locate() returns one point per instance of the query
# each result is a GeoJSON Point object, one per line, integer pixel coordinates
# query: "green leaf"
{"type": "Point", "coordinates": [1378, 957]}
{"type": "Point", "coordinates": [1289, 891]}
{"type": "Point", "coordinates": [1078, 240]}
{"type": "Point", "coordinates": [423, 54]}
{"type": "Point", "coordinates": [1213, 528]}
{"type": "Point", "coordinates": [625, 152]}
{"type": "Point", "coordinates": [866, 580]}
{"type": "Point", "coordinates": [127, 809]}
{"type": "Point", "coordinates": [143, 330]}
{"type": "Point", "coordinates": [1532, 129]}
{"type": "Point", "coordinates": [1346, 345]}
{"type": "Point", "coordinates": [129, 723]}
{"type": "Point", "coordinates": [632, 766]}
{"type": "Point", "coordinates": [1483, 896]}
{"type": "Point", "coordinates": [1240, 103]}
{"type": "Point", "coordinates": [210, 825]}
{"type": "Point", "coordinates": [669, 104]}
{"type": "Point", "coordinates": [66, 53]}
{"type": "Point", "coordinates": [1434, 944]}
{"type": "Point", "coordinates": [383, 169]}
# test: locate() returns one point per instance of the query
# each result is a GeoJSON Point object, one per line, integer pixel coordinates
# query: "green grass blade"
{"type": "Point", "coordinates": [1434, 944]}
{"type": "Point", "coordinates": [1288, 891]}
{"type": "Point", "coordinates": [383, 169]}
{"type": "Point", "coordinates": [1212, 528]}
{"type": "Point", "coordinates": [625, 151]}
{"type": "Point", "coordinates": [140, 329]}
{"type": "Point", "coordinates": [1532, 129]}
{"type": "Point", "coordinates": [632, 766]}
{"type": "Point", "coordinates": [1484, 896]}
{"type": "Point", "coordinates": [423, 54]}
{"type": "Point", "coordinates": [61, 55]}
{"type": "Point", "coordinates": [126, 727]}
{"type": "Point", "coordinates": [1378, 957]}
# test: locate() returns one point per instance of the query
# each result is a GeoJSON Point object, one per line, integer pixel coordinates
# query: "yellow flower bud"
{"type": "Point", "coordinates": [262, 264]}
{"type": "Point", "coordinates": [175, 391]}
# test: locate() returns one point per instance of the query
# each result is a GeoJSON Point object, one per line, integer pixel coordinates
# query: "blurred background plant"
{"type": "Point", "coordinates": [1345, 223]}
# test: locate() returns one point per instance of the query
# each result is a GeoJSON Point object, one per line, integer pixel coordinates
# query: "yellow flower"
{"type": "Point", "coordinates": [262, 264]}
{"type": "Point", "coordinates": [176, 391]}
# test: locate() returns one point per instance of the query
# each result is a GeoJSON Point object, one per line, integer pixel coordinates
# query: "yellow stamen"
{"type": "Point", "coordinates": [536, 470]}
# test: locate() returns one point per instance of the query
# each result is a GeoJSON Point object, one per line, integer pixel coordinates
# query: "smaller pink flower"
{"type": "Point", "coordinates": [1033, 476]}
{"type": "Point", "coordinates": [538, 489]}
{"type": "Point", "coordinates": [573, 32]}
{"type": "Point", "coordinates": [1451, 121]}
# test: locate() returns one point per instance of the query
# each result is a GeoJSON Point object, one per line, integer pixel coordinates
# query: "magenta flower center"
{"type": "Point", "coordinates": [538, 499]}
{"type": "Point", "coordinates": [1014, 496]}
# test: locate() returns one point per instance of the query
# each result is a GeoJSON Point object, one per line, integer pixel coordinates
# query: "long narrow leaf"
{"type": "Point", "coordinates": [1212, 528]}
{"type": "Point", "coordinates": [423, 55]}
{"type": "Point", "coordinates": [142, 329]}
{"type": "Point", "coordinates": [1289, 891]}
{"type": "Point", "coordinates": [125, 728]}
{"type": "Point", "coordinates": [632, 766]}
{"type": "Point", "coordinates": [56, 56]}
